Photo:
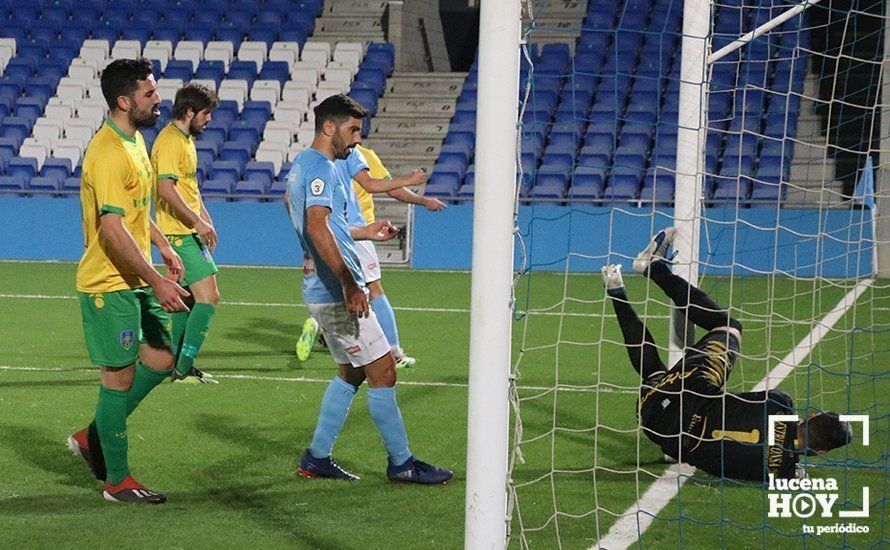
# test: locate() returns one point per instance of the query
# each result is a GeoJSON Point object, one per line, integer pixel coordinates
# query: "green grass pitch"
{"type": "Point", "coordinates": [226, 454]}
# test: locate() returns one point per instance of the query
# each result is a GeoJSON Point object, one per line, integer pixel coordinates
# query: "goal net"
{"type": "Point", "coordinates": [786, 178]}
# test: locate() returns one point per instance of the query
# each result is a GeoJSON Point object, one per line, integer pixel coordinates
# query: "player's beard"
{"type": "Point", "coordinates": [143, 119]}
{"type": "Point", "coordinates": [196, 129]}
{"type": "Point", "coordinates": [341, 150]}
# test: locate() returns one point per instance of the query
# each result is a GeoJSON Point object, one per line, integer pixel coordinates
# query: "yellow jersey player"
{"type": "Point", "coordinates": [124, 301]}
{"type": "Point", "coordinates": [184, 220]}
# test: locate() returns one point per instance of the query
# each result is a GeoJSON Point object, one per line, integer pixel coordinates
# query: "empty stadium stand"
{"type": "Point", "coordinates": [601, 123]}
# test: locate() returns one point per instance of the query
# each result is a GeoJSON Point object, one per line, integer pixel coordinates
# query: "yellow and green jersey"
{"type": "Point", "coordinates": [174, 157]}
{"type": "Point", "coordinates": [117, 178]}
{"type": "Point", "coordinates": [378, 172]}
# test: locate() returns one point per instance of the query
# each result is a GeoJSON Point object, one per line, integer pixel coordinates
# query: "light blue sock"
{"type": "Point", "coordinates": [386, 415]}
{"type": "Point", "coordinates": [387, 319]}
{"type": "Point", "coordinates": [334, 408]}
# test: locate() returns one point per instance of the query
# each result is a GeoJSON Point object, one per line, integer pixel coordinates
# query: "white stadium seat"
{"type": "Point", "coordinates": [266, 90]}
{"type": "Point", "coordinates": [295, 94]}
{"type": "Point", "coordinates": [234, 90]}
{"type": "Point", "coordinates": [167, 87]}
{"type": "Point", "coordinates": [314, 58]}
{"type": "Point", "coordinates": [58, 111]}
{"type": "Point", "coordinates": [95, 49]}
{"type": "Point", "coordinates": [321, 46]}
{"type": "Point", "coordinates": [342, 77]}
{"type": "Point", "coordinates": [71, 88]}
{"type": "Point", "coordinates": [253, 51]}
{"type": "Point", "coordinates": [308, 76]}
{"type": "Point", "coordinates": [220, 51]}
{"type": "Point", "coordinates": [289, 124]}
{"type": "Point", "coordinates": [126, 49]}
{"type": "Point", "coordinates": [278, 135]}
{"type": "Point", "coordinates": [289, 114]}
{"type": "Point", "coordinates": [34, 150]}
{"type": "Point", "coordinates": [46, 129]}
{"type": "Point", "coordinates": [305, 135]}
{"type": "Point", "coordinates": [349, 57]}
{"type": "Point", "coordinates": [358, 47]}
{"type": "Point", "coordinates": [275, 155]}
{"type": "Point", "coordinates": [189, 50]}
{"type": "Point", "coordinates": [70, 149]}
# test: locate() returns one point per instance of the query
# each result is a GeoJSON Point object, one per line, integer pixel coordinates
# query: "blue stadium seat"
{"type": "Point", "coordinates": [182, 70]}
{"type": "Point", "coordinates": [214, 135]}
{"type": "Point", "coordinates": [624, 184]}
{"type": "Point", "coordinates": [210, 189]}
{"type": "Point", "coordinates": [56, 168]}
{"type": "Point", "coordinates": [43, 184]}
{"type": "Point", "coordinates": [466, 191]}
{"type": "Point", "coordinates": [251, 190]}
{"type": "Point", "coordinates": [23, 167]}
{"type": "Point", "coordinates": [587, 182]}
{"type": "Point", "coordinates": [256, 111]}
{"type": "Point", "coordinates": [16, 182]}
{"type": "Point", "coordinates": [243, 70]}
{"type": "Point", "coordinates": [275, 70]}
{"type": "Point", "coordinates": [227, 170]}
{"type": "Point", "coordinates": [278, 187]}
{"type": "Point", "coordinates": [71, 185]}
{"type": "Point", "coordinates": [234, 151]}
{"type": "Point", "coordinates": [211, 70]}
{"type": "Point", "coordinates": [446, 182]}
{"type": "Point", "coordinates": [658, 187]}
{"type": "Point", "coordinates": [373, 78]}
{"type": "Point", "coordinates": [260, 171]}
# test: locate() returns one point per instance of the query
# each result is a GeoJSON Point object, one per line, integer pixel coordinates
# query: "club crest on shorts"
{"type": "Point", "coordinates": [127, 338]}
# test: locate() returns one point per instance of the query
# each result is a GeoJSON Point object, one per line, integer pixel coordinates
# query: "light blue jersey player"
{"type": "Point", "coordinates": [315, 181]}
{"type": "Point", "coordinates": [334, 293]}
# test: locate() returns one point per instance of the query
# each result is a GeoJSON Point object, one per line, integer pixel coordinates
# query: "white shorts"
{"type": "Point", "coordinates": [351, 340]}
{"type": "Point", "coordinates": [367, 256]}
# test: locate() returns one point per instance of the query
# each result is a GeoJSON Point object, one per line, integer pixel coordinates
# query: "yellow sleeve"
{"type": "Point", "coordinates": [109, 177]}
{"type": "Point", "coordinates": [375, 166]}
{"type": "Point", "coordinates": [167, 157]}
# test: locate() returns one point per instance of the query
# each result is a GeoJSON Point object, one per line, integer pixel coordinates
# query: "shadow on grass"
{"type": "Point", "coordinates": [266, 332]}
{"type": "Point", "coordinates": [44, 451]}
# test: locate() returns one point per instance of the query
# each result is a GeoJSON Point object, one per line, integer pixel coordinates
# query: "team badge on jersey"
{"type": "Point", "coordinates": [317, 186]}
{"type": "Point", "coordinates": [127, 338]}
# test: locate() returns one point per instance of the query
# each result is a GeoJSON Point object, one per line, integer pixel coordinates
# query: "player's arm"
{"type": "Point", "coordinates": [381, 230]}
{"type": "Point", "coordinates": [167, 191]}
{"type": "Point", "coordinates": [128, 255]}
{"type": "Point", "coordinates": [205, 215]}
{"type": "Point", "coordinates": [323, 239]}
{"type": "Point", "coordinates": [410, 197]}
{"type": "Point", "coordinates": [381, 185]}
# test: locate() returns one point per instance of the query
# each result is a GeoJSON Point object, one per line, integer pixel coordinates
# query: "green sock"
{"type": "Point", "coordinates": [180, 321]}
{"type": "Point", "coordinates": [195, 333]}
{"type": "Point", "coordinates": [111, 424]}
{"type": "Point", "coordinates": [144, 380]}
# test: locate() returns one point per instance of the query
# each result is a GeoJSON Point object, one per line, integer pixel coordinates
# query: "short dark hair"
{"type": "Point", "coordinates": [826, 431]}
{"type": "Point", "coordinates": [337, 109]}
{"type": "Point", "coordinates": [122, 77]}
{"type": "Point", "coordinates": [194, 96]}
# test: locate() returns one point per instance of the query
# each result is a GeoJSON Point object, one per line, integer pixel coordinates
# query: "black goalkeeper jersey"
{"type": "Point", "coordinates": [725, 441]}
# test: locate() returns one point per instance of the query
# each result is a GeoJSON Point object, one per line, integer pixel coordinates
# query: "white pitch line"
{"type": "Point", "coordinates": [401, 382]}
{"type": "Point", "coordinates": [640, 515]}
{"type": "Point", "coordinates": [302, 306]}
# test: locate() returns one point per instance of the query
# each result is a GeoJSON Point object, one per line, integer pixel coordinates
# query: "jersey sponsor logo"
{"type": "Point", "coordinates": [316, 186]}
{"type": "Point", "coordinates": [128, 337]}
{"type": "Point", "coordinates": [352, 350]}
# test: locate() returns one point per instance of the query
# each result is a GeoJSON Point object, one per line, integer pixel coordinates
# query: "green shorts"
{"type": "Point", "coordinates": [115, 323]}
{"type": "Point", "coordinates": [196, 259]}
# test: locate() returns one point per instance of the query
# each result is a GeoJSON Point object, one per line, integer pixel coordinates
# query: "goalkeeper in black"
{"type": "Point", "coordinates": [685, 409]}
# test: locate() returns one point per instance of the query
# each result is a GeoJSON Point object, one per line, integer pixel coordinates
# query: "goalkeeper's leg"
{"type": "Point", "coordinates": [637, 338]}
{"type": "Point", "coordinates": [653, 262]}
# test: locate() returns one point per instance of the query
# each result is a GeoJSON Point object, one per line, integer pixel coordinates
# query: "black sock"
{"type": "Point", "coordinates": [637, 338]}
{"type": "Point", "coordinates": [703, 311]}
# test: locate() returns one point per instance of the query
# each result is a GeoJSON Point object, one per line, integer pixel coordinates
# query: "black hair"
{"type": "Point", "coordinates": [825, 431]}
{"type": "Point", "coordinates": [337, 109]}
{"type": "Point", "coordinates": [194, 96]}
{"type": "Point", "coordinates": [122, 77]}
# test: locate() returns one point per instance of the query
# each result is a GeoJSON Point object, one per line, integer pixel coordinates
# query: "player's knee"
{"type": "Point", "coordinates": [213, 297]}
{"type": "Point", "coordinates": [382, 375]}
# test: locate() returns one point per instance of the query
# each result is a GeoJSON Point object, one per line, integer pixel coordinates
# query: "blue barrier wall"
{"type": "Point", "coordinates": [833, 243]}
{"type": "Point", "coordinates": [744, 243]}
{"type": "Point", "coordinates": [45, 228]}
